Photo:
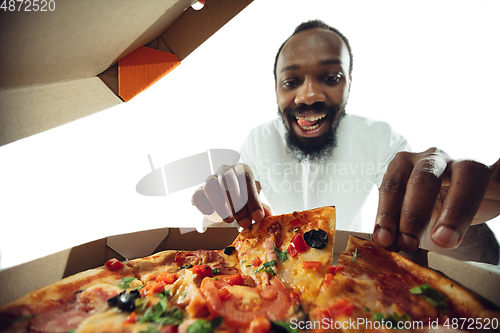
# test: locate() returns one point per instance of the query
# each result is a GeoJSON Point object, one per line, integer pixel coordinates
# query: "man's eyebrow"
{"type": "Point", "coordinates": [289, 68]}
{"type": "Point", "coordinates": [321, 63]}
{"type": "Point", "coordinates": [330, 62]}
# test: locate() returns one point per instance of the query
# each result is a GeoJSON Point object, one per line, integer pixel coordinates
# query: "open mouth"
{"type": "Point", "coordinates": [310, 123]}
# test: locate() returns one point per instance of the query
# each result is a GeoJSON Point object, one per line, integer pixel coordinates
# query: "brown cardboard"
{"type": "Point", "coordinates": [22, 279]}
{"type": "Point", "coordinates": [481, 278]}
{"type": "Point", "coordinates": [59, 66]}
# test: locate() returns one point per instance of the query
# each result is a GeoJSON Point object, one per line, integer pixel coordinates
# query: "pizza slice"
{"type": "Point", "coordinates": [296, 248]}
{"type": "Point", "coordinates": [371, 288]}
{"type": "Point", "coordinates": [61, 306]}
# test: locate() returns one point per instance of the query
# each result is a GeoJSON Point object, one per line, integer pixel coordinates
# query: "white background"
{"type": "Point", "coordinates": [429, 68]}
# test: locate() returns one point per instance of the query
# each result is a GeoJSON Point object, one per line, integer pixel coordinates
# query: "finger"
{"type": "Point", "coordinates": [391, 196]}
{"type": "Point", "coordinates": [253, 202]}
{"type": "Point", "coordinates": [267, 210]}
{"type": "Point", "coordinates": [243, 217]}
{"type": "Point", "coordinates": [217, 199]}
{"type": "Point", "coordinates": [236, 196]}
{"type": "Point", "coordinates": [468, 184]}
{"type": "Point", "coordinates": [420, 198]}
{"type": "Point", "coordinates": [200, 201]}
{"type": "Point", "coordinates": [245, 220]}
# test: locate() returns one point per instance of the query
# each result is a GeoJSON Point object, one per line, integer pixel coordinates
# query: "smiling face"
{"type": "Point", "coordinates": [312, 87]}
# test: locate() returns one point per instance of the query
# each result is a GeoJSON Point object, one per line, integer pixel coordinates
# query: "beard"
{"type": "Point", "coordinates": [317, 149]}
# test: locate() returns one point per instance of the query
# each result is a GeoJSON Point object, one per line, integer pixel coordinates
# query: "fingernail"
{"type": "Point", "coordinates": [229, 219]}
{"type": "Point", "coordinates": [446, 237]}
{"type": "Point", "coordinates": [409, 243]}
{"type": "Point", "coordinates": [258, 215]}
{"type": "Point", "coordinates": [384, 237]}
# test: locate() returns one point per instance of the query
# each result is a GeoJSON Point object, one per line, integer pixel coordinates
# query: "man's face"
{"type": "Point", "coordinates": [312, 87]}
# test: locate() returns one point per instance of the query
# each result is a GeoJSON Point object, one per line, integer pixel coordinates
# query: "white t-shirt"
{"type": "Point", "coordinates": [359, 161]}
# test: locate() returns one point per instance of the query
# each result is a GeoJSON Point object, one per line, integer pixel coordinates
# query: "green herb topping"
{"type": "Point", "coordinates": [205, 326]}
{"type": "Point", "coordinates": [281, 255]}
{"type": "Point", "coordinates": [266, 267]}
{"type": "Point", "coordinates": [355, 255]}
{"type": "Point", "coordinates": [431, 295]}
{"type": "Point", "coordinates": [393, 318]}
{"type": "Point", "coordinates": [126, 282]}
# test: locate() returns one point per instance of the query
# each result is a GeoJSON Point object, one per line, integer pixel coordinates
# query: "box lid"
{"type": "Point", "coordinates": [60, 64]}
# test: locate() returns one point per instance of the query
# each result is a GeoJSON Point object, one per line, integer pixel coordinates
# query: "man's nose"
{"type": "Point", "coordinates": [309, 93]}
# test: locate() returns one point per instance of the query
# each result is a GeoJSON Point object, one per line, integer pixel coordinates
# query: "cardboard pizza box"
{"type": "Point", "coordinates": [24, 278]}
{"type": "Point", "coordinates": [19, 280]}
{"type": "Point", "coordinates": [60, 61]}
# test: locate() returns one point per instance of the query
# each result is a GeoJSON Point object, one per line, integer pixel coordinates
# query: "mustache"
{"type": "Point", "coordinates": [319, 107]}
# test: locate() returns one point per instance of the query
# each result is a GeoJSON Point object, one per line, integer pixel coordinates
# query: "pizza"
{"type": "Point", "coordinates": [276, 276]}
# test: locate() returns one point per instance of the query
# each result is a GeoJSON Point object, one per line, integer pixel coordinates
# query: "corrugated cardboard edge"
{"type": "Point", "coordinates": [198, 26]}
{"type": "Point", "coordinates": [30, 110]}
{"type": "Point", "coordinates": [469, 274]}
{"type": "Point", "coordinates": [19, 280]}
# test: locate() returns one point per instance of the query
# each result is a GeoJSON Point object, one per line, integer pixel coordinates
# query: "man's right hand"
{"type": "Point", "coordinates": [233, 193]}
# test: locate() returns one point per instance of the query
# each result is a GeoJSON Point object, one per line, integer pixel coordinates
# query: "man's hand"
{"type": "Point", "coordinates": [233, 193]}
{"type": "Point", "coordinates": [429, 188]}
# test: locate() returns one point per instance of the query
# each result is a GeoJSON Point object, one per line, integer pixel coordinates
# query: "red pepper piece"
{"type": "Point", "coordinates": [114, 264]}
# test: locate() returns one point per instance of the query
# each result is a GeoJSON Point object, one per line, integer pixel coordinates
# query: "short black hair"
{"type": "Point", "coordinates": [312, 25]}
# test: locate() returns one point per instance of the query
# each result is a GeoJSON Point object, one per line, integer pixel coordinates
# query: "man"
{"type": "Point", "coordinates": [315, 155]}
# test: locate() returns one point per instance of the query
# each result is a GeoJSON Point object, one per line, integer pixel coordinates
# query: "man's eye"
{"type": "Point", "coordinates": [332, 79]}
{"type": "Point", "coordinates": [289, 83]}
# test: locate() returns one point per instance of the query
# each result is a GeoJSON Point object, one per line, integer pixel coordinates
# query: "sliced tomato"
{"type": "Point", "coordinates": [328, 279]}
{"type": "Point", "coordinates": [244, 303]}
{"type": "Point", "coordinates": [315, 265]}
{"type": "Point", "coordinates": [260, 325]}
{"type": "Point", "coordinates": [223, 294]}
{"type": "Point", "coordinates": [114, 264]}
{"type": "Point", "coordinates": [203, 270]}
{"type": "Point", "coordinates": [335, 269]}
{"type": "Point", "coordinates": [234, 280]}
{"type": "Point", "coordinates": [339, 308]}
{"type": "Point", "coordinates": [168, 278]}
{"type": "Point", "coordinates": [169, 329]}
{"type": "Point", "coordinates": [131, 318]}
{"type": "Point", "coordinates": [256, 262]}
{"type": "Point", "coordinates": [294, 297]}
{"type": "Point", "coordinates": [154, 288]}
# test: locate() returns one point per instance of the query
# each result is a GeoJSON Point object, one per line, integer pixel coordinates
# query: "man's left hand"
{"type": "Point", "coordinates": [430, 189]}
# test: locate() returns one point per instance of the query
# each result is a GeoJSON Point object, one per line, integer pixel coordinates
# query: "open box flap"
{"type": "Point", "coordinates": [59, 66]}
{"type": "Point", "coordinates": [137, 244]}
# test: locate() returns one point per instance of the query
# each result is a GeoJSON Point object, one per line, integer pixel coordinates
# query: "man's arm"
{"type": "Point", "coordinates": [422, 189]}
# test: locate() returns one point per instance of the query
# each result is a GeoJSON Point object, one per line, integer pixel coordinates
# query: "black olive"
{"type": "Point", "coordinates": [228, 250]}
{"type": "Point", "coordinates": [113, 301]}
{"type": "Point", "coordinates": [126, 302]}
{"type": "Point", "coordinates": [316, 238]}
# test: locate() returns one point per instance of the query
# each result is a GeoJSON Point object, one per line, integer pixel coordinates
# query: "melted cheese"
{"type": "Point", "coordinates": [248, 296]}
